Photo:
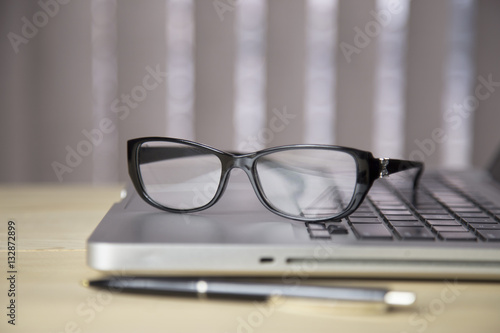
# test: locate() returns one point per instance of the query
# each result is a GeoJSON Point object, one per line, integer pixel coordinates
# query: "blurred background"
{"type": "Point", "coordinates": [403, 79]}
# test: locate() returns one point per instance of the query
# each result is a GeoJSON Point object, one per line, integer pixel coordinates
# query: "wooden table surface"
{"type": "Point", "coordinates": [53, 223]}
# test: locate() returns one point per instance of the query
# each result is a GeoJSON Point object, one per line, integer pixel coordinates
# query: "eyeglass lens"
{"type": "Point", "coordinates": [308, 183]}
{"type": "Point", "coordinates": [179, 176]}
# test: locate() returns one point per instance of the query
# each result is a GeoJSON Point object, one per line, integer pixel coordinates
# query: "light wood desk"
{"type": "Point", "coordinates": [53, 223]}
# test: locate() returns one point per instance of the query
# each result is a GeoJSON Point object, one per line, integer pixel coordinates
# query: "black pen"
{"type": "Point", "coordinates": [213, 288]}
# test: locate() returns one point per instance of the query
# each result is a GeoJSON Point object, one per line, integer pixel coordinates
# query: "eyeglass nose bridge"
{"type": "Point", "coordinates": [243, 162]}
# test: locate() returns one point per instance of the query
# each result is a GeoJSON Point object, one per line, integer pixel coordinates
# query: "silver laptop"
{"type": "Point", "coordinates": [451, 231]}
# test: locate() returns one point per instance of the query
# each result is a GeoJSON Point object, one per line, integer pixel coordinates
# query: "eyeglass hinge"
{"type": "Point", "coordinates": [384, 162]}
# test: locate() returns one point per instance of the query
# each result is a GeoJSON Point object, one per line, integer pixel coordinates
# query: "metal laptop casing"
{"type": "Point", "coordinates": [239, 237]}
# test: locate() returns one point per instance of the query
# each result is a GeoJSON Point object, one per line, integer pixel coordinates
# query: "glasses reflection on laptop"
{"type": "Point", "coordinates": [301, 182]}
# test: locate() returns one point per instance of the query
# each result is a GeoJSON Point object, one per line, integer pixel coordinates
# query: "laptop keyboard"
{"type": "Point", "coordinates": [442, 212]}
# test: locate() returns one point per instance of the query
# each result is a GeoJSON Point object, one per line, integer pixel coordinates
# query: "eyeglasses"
{"type": "Point", "coordinates": [301, 182]}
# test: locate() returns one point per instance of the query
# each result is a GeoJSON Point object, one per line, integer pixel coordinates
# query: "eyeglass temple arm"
{"type": "Point", "coordinates": [389, 166]}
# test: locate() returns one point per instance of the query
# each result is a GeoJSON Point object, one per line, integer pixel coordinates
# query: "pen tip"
{"type": "Point", "coordinates": [401, 298]}
{"type": "Point", "coordinates": [85, 283]}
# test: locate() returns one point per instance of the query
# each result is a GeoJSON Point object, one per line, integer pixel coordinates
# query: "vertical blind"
{"type": "Point", "coordinates": [248, 74]}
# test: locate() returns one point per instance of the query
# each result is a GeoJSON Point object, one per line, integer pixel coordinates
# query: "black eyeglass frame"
{"type": "Point", "coordinates": [368, 170]}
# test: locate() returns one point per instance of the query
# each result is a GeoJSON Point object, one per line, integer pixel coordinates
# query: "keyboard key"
{"type": "Point", "coordinates": [364, 220]}
{"type": "Point", "coordinates": [425, 200]}
{"type": "Point", "coordinates": [396, 212]}
{"type": "Point", "coordinates": [401, 218]}
{"type": "Point", "coordinates": [433, 211]}
{"type": "Point", "coordinates": [429, 205]}
{"type": "Point", "coordinates": [364, 208]}
{"type": "Point", "coordinates": [456, 203]}
{"type": "Point", "coordinates": [315, 226]}
{"type": "Point", "coordinates": [438, 217]}
{"type": "Point", "coordinates": [372, 231]}
{"type": "Point", "coordinates": [337, 229]}
{"type": "Point", "coordinates": [479, 220]}
{"type": "Point", "coordinates": [319, 233]}
{"type": "Point", "coordinates": [452, 196]}
{"type": "Point", "coordinates": [406, 224]}
{"type": "Point", "coordinates": [391, 207]}
{"type": "Point", "coordinates": [414, 233]}
{"type": "Point", "coordinates": [483, 200]}
{"type": "Point", "coordinates": [356, 214]}
{"type": "Point", "coordinates": [443, 222]}
{"type": "Point", "coordinates": [460, 203]}
{"type": "Point", "coordinates": [490, 235]}
{"type": "Point", "coordinates": [473, 215]}
{"type": "Point", "coordinates": [449, 228]}
{"type": "Point", "coordinates": [457, 236]}
{"type": "Point", "coordinates": [431, 208]}
{"type": "Point", "coordinates": [465, 203]}
{"type": "Point", "coordinates": [466, 210]}
{"type": "Point", "coordinates": [480, 226]}
{"type": "Point", "coordinates": [486, 204]}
